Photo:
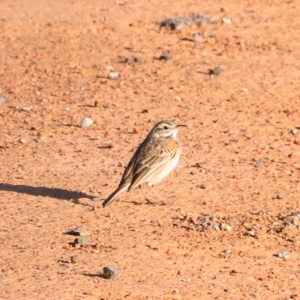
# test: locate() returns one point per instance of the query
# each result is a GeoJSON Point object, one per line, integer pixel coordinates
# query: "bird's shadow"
{"type": "Point", "coordinates": [42, 191]}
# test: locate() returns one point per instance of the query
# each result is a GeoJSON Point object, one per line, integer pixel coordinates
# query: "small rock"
{"type": "Point", "coordinates": [188, 280]}
{"type": "Point", "coordinates": [22, 141]}
{"type": "Point", "coordinates": [67, 109]}
{"type": "Point", "coordinates": [96, 199]}
{"type": "Point", "coordinates": [97, 103]}
{"type": "Point", "coordinates": [258, 164]}
{"type": "Point", "coordinates": [207, 218]}
{"type": "Point", "coordinates": [255, 296]}
{"type": "Point", "coordinates": [283, 254]}
{"type": "Point", "coordinates": [227, 20]}
{"type": "Point", "coordinates": [2, 99]}
{"type": "Point", "coordinates": [144, 111]}
{"type": "Point", "coordinates": [138, 59]}
{"type": "Point", "coordinates": [83, 241]}
{"type": "Point", "coordinates": [201, 186]}
{"type": "Point", "coordinates": [228, 290]}
{"type": "Point", "coordinates": [197, 38]}
{"type": "Point", "coordinates": [216, 227]}
{"type": "Point", "coordinates": [73, 259]}
{"type": "Point", "coordinates": [289, 226]}
{"type": "Point", "coordinates": [215, 71]}
{"type": "Point", "coordinates": [229, 251]}
{"type": "Point", "coordinates": [279, 196]}
{"type": "Point", "coordinates": [86, 122]}
{"type": "Point", "coordinates": [128, 60]}
{"type": "Point", "coordinates": [294, 131]}
{"type": "Point", "coordinates": [79, 232]}
{"type": "Point", "coordinates": [113, 75]}
{"type": "Point", "coordinates": [110, 273]}
{"type": "Point", "coordinates": [165, 57]}
{"type": "Point", "coordinates": [225, 227]}
{"type": "Point", "coordinates": [25, 108]}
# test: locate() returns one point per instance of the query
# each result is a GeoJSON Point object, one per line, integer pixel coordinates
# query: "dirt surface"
{"type": "Point", "coordinates": [233, 229]}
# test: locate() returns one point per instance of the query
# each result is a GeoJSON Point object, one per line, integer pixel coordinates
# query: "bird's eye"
{"type": "Point", "coordinates": [166, 127]}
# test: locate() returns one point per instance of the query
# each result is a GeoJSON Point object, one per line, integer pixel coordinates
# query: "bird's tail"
{"type": "Point", "coordinates": [114, 195]}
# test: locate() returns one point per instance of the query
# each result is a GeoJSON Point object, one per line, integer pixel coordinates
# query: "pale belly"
{"type": "Point", "coordinates": [164, 170]}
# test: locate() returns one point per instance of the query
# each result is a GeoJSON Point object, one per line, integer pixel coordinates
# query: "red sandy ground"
{"type": "Point", "coordinates": [55, 57]}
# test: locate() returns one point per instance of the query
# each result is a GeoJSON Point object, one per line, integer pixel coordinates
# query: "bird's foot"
{"type": "Point", "coordinates": [162, 202]}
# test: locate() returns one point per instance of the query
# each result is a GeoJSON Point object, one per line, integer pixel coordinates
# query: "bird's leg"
{"type": "Point", "coordinates": [147, 199]}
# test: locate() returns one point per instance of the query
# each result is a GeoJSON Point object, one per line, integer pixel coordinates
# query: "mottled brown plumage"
{"type": "Point", "coordinates": [154, 159]}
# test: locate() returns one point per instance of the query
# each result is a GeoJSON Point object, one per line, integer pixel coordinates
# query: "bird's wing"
{"type": "Point", "coordinates": [153, 156]}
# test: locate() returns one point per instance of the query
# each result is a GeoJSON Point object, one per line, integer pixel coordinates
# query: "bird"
{"type": "Point", "coordinates": [153, 160]}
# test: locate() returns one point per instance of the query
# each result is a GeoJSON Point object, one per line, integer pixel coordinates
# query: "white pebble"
{"type": "Point", "coordinates": [86, 122]}
{"type": "Point", "coordinates": [113, 75]}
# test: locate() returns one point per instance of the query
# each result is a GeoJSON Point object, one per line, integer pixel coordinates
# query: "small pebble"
{"type": "Point", "coordinates": [2, 99]}
{"type": "Point", "coordinates": [201, 186]}
{"type": "Point", "coordinates": [258, 164]}
{"type": "Point", "coordinates": [128, 60]}
{"type": "Point", "coordinates": [207, 218]}
{"type": "Point", "coordinates": [225, 227]}
{"type": "Point", "coordinates": [294, 131]}
{"type": "Point", "coordinates": [216, 227]}
{"type": "Point", "coordinates": [83, 241]}
{"type": "Point", "coordinates": [113, 75]}
{"type": "Point", "coordinates": [255, 296]}
{"type": "Point", "coordinates": [97, 103]}
{"type": "Point", "coordinates": [138, 59]}
{"type": "Point", "coordinates": [25, 108]}
{"type": "Point", "coordinates": [165, 57]}
{"type": "Point", "coordinates": [22, 141]}
{"type": "Point", "coordinates": [215, 71]}
{"type": "Point", "coordinates": [279, 196]}
{"type": "Point", "coordinates": [86, 122]}
{"type": "Point", "coordinates": [188, 280]}
{"type": "Point", "coordinates": [67, 109]}
{"type": "Point", "coordinates": [228, 290]}
{"type": "Point", "coordinates": [197, 38]}
{"type": "Point", "coordinates": [229, 251]}
{"type": "Point", "coordinates": [283, 254]}
{"type": "Point", "coordinates": [144, 111]}
{"type": "Point", "coordinates": [110, 273]}
{"type": "Point", "coordinates": [227, 20]}
{"type": "Point", "coordinates": [96, 199]}
{"type": "Point", "coordinates": [73, 259]}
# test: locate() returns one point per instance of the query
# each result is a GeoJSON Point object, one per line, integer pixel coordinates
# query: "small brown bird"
{"type": "Point", "coordinates": [154, 159]}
